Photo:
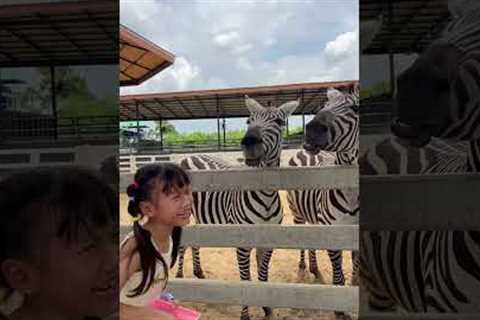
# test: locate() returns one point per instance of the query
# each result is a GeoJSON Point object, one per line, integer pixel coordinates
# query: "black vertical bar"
{"type": "Point", "coordinates": [54, 102]}
{"type": "Point", "coordinates": [391, 54]}
{"type": "Point", "coordinates": [161, 134]}
{"type": "Point", "coordinates": [137, 112]}
{"type": "Point", "coordinates": [218, 122]}
{"type": "Point", "coordinates": [303, 118]}
{"type": "Point", "coordinates": [224, 133]}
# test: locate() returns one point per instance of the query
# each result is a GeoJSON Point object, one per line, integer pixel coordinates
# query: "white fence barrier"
{"type": "Point", "coordinates": [289, 178]}
{"type": "Point", "coordinates": [277, 295]}
{"type": "Point", "coordinates": [85, 155]}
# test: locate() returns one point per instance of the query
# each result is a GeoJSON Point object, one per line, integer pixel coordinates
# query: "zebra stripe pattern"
{"type": "Point", "coordinates": [334, 130]}
{"type": "Point", "coordinates": [433, 271]}
{"type": "Point", "coordinates": [261, 147]}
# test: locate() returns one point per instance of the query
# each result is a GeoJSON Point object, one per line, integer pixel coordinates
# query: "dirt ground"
{"type": "Point", "coordinates": [221, 264]}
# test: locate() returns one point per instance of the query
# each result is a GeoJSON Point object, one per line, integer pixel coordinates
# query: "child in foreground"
{"type": "Point", "coordinates": [58, 246]}
{"type": "Point", "coordinates": [160, 205]}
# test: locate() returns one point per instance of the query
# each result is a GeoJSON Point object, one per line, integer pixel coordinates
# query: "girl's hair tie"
{"type": "Point", "coordinates": [132, 198]}
{"type": "Point", "coordinates": [136, 185]}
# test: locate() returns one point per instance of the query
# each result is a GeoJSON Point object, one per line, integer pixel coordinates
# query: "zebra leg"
{"type": "Point", "coordinates": [263, 263]}
{"type": "Point", "coordinates": [181, 258]}
{"type": "Point", "coordinates": [197, 267]}
{"type": "Point", "coordinates": [297, 219]}
{"type": "Point", "coordinates": [243, 259]}
{"type": "Point", "coordinates": [301, 266]}
{"type": "Point", "coordinates": [336, 260]}
{"type": "Point", "coordinates": [312, 260]}
{"type": "Point", "coordinates": [355, 262]}
{"type": "Point", "coordinates": [337, 269]}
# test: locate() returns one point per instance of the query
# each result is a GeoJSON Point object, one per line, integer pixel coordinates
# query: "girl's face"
{"type": "Point", "coordinates": [80, 278]}
{"type": "Point", "coordinates": [173, 208]}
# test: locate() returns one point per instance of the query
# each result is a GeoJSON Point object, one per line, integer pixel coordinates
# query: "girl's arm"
{"type": "Point", "coordinates": [130, 263]}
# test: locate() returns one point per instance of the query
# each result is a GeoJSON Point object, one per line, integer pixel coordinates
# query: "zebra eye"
{"type": "Point", "coordinates": [280, 122]}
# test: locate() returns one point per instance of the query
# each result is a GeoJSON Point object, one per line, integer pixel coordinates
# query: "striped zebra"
{"type": "Point", "coordinates": [261, 147]}
{"type": "Point", "coordinates": [331, 139]}
{"type": "Point", "coordinates": [432, 271]}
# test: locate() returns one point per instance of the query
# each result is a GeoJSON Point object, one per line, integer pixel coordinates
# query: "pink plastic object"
{"type": "Point", "coordinates": [179, 312]}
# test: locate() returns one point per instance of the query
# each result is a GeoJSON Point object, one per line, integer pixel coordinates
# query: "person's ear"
{"type": "Point", "coordinates": [20, 275]}
{"type": "Point", "coordinates": [147, 208]}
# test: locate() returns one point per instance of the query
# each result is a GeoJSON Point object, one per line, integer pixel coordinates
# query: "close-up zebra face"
{"type": "Point", "coordinates": [438, 95]}
{"type": "Point", "coordinates": [261, 144]}
{"type": "Point", "coordinates": [335, 126]}
{"type": "Point", "coordinates": [423, 99]}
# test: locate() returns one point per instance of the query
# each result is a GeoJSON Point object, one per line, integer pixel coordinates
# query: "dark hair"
{"type": "Point", "coordinates": [146, 180]}
{"type": "Point", "coordinates": [71, 197]}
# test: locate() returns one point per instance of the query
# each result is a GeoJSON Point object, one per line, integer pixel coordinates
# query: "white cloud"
{"type": "Point", "coordinates": [184, 72]}
{"type": "Point", "coordinates": [226, 39]}
{"type": "Point", "coordinates": [242, 48]}
{"type": "Point", "coordinates": [244, 63]}
{"type": "Point", "coordinates": [222, 44]}
{"type": "Point", "coordinates": [343, 44]}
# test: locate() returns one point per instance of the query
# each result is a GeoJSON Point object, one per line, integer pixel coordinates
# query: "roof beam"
{"type": "Point", "coordinates": [127, 75]}
{"type": "Point", "coordinates": [60, 32]}
{"type": "Point", "coordinates": [128, 44]}
{"type": "Point", "coordinates": [202, 105]}
{"type": "Point", "coordinates": [134, 63]}
{"type": "Point", "coordinates": [110, 36]}
{"type": "Point", "coordinates": [133, 111]}
{"type": "Point", "coordinates": [184, 108]}
{"type": "Point", "coordinates": [166, 107]}
{"type": "Point", "coordinates": [141, 56]}
{"type": "Point", "coordinates": [150, 109]}
{"type": "Point", "coordinates": [27, 41]}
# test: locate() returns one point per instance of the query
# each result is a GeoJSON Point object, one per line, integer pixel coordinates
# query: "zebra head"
{"type": "Point", "coordinates": [437, 96]}
{"type": "Point", "coordinates": [335, 126]}
{"type": "Point", "coordinates": [262, 142]}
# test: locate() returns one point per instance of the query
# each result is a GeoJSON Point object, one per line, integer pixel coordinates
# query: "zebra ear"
{"type": "Point", "coordinates": [458, 8]}
{"type": "Point", "coordinates": [334, 94]}
{"type": "Point", "coordinates": [252, 105]}
{"type": "Point", "coordinates": [289, 107]}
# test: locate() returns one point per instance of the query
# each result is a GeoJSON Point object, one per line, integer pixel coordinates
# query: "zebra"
{"type": "Point", "coordinates": [432, 271]}
{"type": "Point", "coordinates": [331, 139]}
{"type": "Point", "coordinates": [261, 148]}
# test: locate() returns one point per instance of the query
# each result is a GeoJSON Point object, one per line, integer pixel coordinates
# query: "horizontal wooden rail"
{"type": "Point", "coordinates": [289, 178]}
{"type": "Point", "coordinates": [340, 237]}
{"type": "Point", "coordinates": [277, 295]}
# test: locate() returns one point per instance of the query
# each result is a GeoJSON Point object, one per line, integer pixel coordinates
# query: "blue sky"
{"type": "Point", "coordinates": [226, 44]}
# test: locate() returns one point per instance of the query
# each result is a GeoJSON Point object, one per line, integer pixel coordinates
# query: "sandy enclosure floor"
{"type": "Point", "coordinates": [221, 264]}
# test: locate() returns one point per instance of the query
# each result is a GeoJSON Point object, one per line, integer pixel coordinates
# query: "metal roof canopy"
{"type": "Point", "coordinates": [413, 26]}
{"type": "Point", "coordinates": [230, 103]}
{"type": "Point", "coordinates": [84, 32]}
{"type": "Point", "coordinates": [140, 59]}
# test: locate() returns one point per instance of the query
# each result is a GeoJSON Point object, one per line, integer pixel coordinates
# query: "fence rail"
{"type": "Point", "coordinates": [290, 178]}
{"type": "Point", "coordinates": [279, 295]}
{"type": "Point", "coordinates": [339, 237]}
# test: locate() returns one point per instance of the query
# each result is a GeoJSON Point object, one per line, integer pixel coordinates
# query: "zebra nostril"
{"type": "Point", "coordinates": [251, 140]}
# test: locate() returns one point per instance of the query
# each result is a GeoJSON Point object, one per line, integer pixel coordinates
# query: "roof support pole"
{"type": "Point", "coordinates": [391, 55]}
{"type": "Point", "coordinates": [224, 125]}
{"type": "Point", "coordinates": [160, 125]}
{"type": "Point", "coordinates": [137, 116]}
{"type": "Point", "coordinates": [54, 102]}
{"type": "Point", "coordinates": [218, 121]}
{"type": "Point", "coordinates": [303, 116]}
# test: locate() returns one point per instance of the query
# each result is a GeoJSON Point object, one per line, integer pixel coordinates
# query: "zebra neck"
{"type": "Point", "coordinates": [349, 157]}
{"type": "Point", "coordinates": [473, 157]}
